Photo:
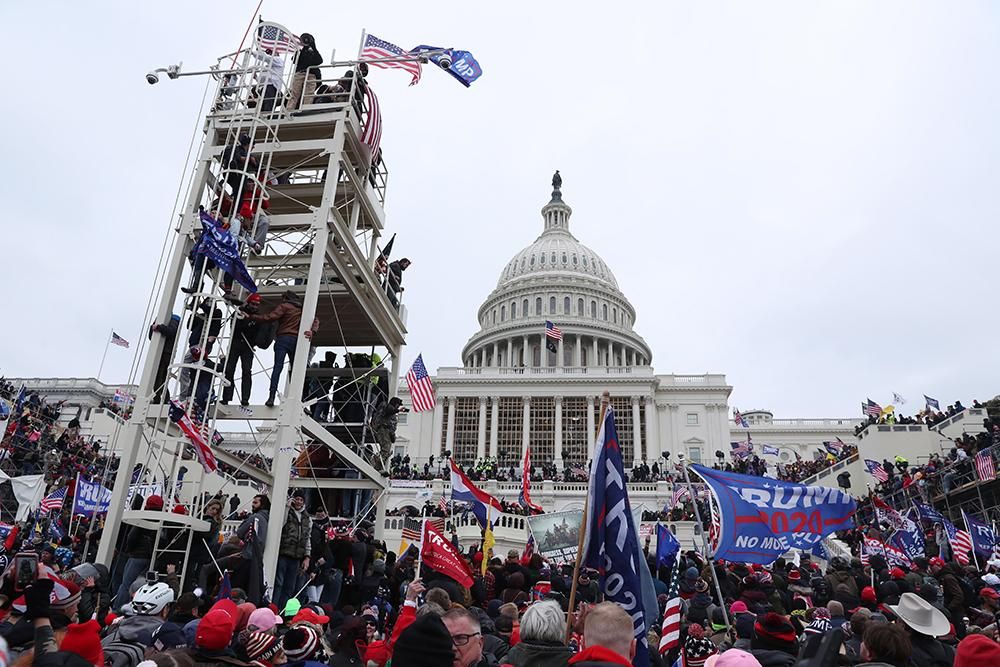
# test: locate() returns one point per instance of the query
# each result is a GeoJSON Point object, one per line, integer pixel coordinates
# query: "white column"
{"type": "Point", "coordinates": [636, 433]}
{"type": "Point", "coordinates": [449, 438]}
{"type": "Point", "coordinates": [594, 360]}
{"type": "Point", "coordinates": [481, 441]}
{"type": "Point", "coordinates": [578, 351]}
{"type": "Point", "coordinates": [525, 359]}
{"type": "Point", "coordinates": [496, 355]}
{"type": "Point", "coordinates": [632, 354]}
{"type": "Point", "coordinates": [510, 352]}
{"type": "Point", "coordinates": [436, 423]}
{"type": "Point", "coordinates": [675, 435]}
{"type": "Point", "coordinates": [663, 417]}
{"type": "Point", "coordinates": [494, 426]}
{"type": "Point", "coordinates": [591, 434]}
{"type": "Point", "coordinates": [526, 424]}
{"type": "Point", "coordinates": [652, 430]}
{"type": "Point", "coordinates": [558, 449]}
{"type": "Point", "coordinates": [559, 354]}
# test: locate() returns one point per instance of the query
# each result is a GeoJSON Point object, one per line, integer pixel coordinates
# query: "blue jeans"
{"type": "Point", "coordinates": [286, 580]}
{"type": "Point", "coordinates": [331, 592]}
{"type": "Point", "coordinates": [134, 568]}
{"type": "Point", "coordinates": [283, 345]}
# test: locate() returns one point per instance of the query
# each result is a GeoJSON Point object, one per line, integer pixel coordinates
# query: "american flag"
{"type": "Point", "coordinates": [421, 388]}
{"type": "Point", "coordinates": [961, 542]}
{"type": "Point", "coordinates": [872, 408]}
{"type": "Point", "coordinates": [529, 549]}
{"type": "Point", "coordinates": [118, 340]}
{"type": "Point", "coordinates": [412, 529]}
{"type": "Point", "coordinates": [552, 331]}
{"type": "Point", "coordinates": [371, 136]}
{"type": "Point", "coordinates": [740, 419]}
{"type": "Point", "coordinates": [54, 500]}
{"type": "Point", "coordinates": [376, 50]}
{"type": "Point", "coordinates": [984, 466]}
{"type": "Point", "coordinates": [876, 470]}
{"type": "Point", "coordinates": [670, 631]}
{"type": "Point", "coordinates": [277, 40]}
{"type": "Point", "coordinates": [443, 504]}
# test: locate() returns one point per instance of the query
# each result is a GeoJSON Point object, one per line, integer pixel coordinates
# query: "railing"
{"type": "Point", "coordinates": [846, 423]}
{"type": "Point", "coordinates": [979, 413]}
{"type": "Point", "coordinates": [839, 465]}
{"type": "Point", "coordinates": [68, 384]}
{"type": "Point", "coordinates": [871, 429]}
{"type": "Point", "coordinates": [590, 371]}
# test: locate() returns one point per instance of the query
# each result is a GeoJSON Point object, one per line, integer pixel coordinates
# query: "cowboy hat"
{"type": "Point", "coordinates": [920, 616]}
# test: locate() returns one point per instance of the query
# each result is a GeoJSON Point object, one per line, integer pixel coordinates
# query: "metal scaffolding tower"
{"type": "Point", "coordinates": [319, 239]}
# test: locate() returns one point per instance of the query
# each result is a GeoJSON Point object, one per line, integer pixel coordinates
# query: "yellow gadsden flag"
{"type": "Point", "coordinates": [488, 542]}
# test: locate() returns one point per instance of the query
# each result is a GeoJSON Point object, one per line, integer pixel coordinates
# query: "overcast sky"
{"type": "Point", "coordinates": [802, 196]}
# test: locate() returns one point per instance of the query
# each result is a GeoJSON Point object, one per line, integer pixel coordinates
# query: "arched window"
{"type": "Point", "coordinates": [593, 309]}
{"type": "Point", "coordinates": [538, 306]}
{"type": "Point", "coordinates": [552, 305]}
{"type": "Point", "coordinates": [524, 308]}
{"type": "Point", "coordinates": [604, 311]}
{"type": "Point", "coordinates": [566, 305]}
{"type": "Point", "coordinates": [579, 307]}
{"type": "Point", "coordinates": [574, 259]}
{"type": "Point", "coordinates": [585, 261]}
{"type": "Point", "coordinates": [513, 309]}
{"type": "Point", "coordinates": [503, 313]}
{"type": "Point", "coordinates": [494, 316]}
{"type": "Point", "coordinates": [614, 315]}
{"type": "Point", "coordinates": [541, 258]}
{"type": "Point", "coordinates": [565, 259]}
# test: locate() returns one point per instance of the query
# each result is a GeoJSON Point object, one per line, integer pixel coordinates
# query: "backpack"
{"type": "Point", "coordinates": [123, 654]}
{"type": "Point", "coordinates": [265, 335]}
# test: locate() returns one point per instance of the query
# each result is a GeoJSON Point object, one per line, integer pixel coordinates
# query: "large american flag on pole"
{"type": "Point", "coordinates": [552, 331]}
{"type": "Point", "coordinates": [118, 340]}
{"type": "Point", "coordinates": [277, 40]}
{"type": "Point", "coordinates": [376, 51]}
{"type": "Point", "coordinates": [670, 630]}
{"type": "Point", "coordinates": [961, 542]}
{"type": "Point", "coordinates": [876, 470]}
{"type": "Point", "coordinates": [984, 466]}
{"type": "Point", "coordinates": [419, 383]}
{"type": "Point", "coordinates": [53, 501]}
{"type": "Point", "coordinates": [371, 136]}
{"type": "Point", "coordinates": [872, 408]}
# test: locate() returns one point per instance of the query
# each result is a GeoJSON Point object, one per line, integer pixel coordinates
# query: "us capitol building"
{"type": "Point", "coordinates": [512, 392]}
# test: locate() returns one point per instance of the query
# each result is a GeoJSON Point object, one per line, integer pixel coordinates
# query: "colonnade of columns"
{"type": "Point", "coordinates": [573, 350]}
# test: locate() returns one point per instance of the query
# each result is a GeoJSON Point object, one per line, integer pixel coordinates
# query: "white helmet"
{"type": "Point", "coordinates": [152, 599]}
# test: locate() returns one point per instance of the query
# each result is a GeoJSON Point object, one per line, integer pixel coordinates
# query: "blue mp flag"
{"type": "Point", "coordinates": [667, 546]}
{"type": "Point", "coordinates": [984, 540]}
{"type": "Point", "coordinates": [218, 245]}
{"type": "Point", "coordinates": [463, 66]}
{"type": "Point", "coordinates": [90, 497]}
{"type": "Point", "coordinates": [764, 518]}
{"type": "Point", "coordinates": [611, 541]}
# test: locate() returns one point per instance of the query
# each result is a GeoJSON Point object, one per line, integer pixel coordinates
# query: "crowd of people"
{"type": "Point", "coordinates": [926, 416]}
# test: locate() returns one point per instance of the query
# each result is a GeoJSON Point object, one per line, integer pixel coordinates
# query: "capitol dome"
{"type": "Point", "coordinates": [561, 280]}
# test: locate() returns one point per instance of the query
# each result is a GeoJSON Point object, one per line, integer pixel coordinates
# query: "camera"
{"type": "Point", "coordinates": [152, 78]}
{"type": "Point", "coordinates": [444, 62]}
{"type": "Point", "coordinates": [152, 577]}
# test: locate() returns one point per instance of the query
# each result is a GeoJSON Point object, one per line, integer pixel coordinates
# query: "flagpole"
{"type": "Point", "coordinates": [704, 542]}
{"type": "Point", "coordinates": [105, 356]}
{"type": "Point", "coordinates": [570, 613]}
{"type": "Point", "coordinates": [423, 536]}
{"type": "Point", "coordinates": [72, 508]}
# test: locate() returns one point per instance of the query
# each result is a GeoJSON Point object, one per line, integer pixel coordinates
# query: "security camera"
{"type": "Point", "coordinates": [152, 78]}
{"type": "Point", "coordinates": [444, 62]}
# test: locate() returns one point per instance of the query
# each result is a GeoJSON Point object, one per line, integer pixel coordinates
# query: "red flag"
{"type": "Point", "coordinates": [524, 499]}
{"type": "Point", "coordinates": [438, 554]}
{"type": "Point", "coordinates": [201, 448]}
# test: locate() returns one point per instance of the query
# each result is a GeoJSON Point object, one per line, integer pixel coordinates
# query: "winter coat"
{"type": "Point", "coordinates": [839, 577]}
{"type": "Point", "coordinates": [135, 629]}
{"type": "Point", "coordinates": [599, 656]}
{"type": "Point", "coordinates": [288, 315]}
{"type": "Point", "coordinates": [929, 652]}
{"type": "Point", "coordinates": [139, 543]}
{"type": "Point", "coordinates": [770, 658]}
{"type": "Point", "coordinates": [540, 654]}
{"type": "Point", "coordinates": [295, 535]}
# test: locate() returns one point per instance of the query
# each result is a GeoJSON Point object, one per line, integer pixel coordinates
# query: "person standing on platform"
{"type": "Point", "coordinates": [305, 78]}
{"type": "Point", "coordinates": [241, 350]}
{"type": "Point", "coordinates": [288, 315]}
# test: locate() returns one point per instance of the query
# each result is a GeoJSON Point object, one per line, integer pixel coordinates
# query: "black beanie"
{"type": "Point", "coordinates": [424, 643]}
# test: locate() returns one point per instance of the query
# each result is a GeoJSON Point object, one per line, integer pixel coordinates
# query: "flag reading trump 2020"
{"type": "Point", "coordinates": [611, 542]}
{"type": "Point", "coordinates": [763, 518]}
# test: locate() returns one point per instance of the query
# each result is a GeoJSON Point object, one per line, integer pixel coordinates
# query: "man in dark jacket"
{"type": "Point", "coordinates": [241, 350]}
{"type": "Point", "coordinates": [288, 315]}
{"type": "Point", "coordinates": [293, 551]}
{"type": "Point", "coordinates": [169, 333]}
{"type": "Point", "coordinates": [925, 623]}
{"type": "Point", "coordinates": [304, 81]}
{"type": "Point", "coordinates": [253, 533]}
{"type": "Point", "coordinates": [394, 280]}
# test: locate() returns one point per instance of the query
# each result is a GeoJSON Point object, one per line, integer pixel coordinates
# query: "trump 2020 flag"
{"type": "Point", "coordinates": [763, 518]}
{"type": "Point", "coordinates": [611, 541]}
{"type": "Point", "coordinates": [90, 497]}
{"type": "Point", "coordinates": [984, 540]}
{"type": "Point", "coordinates": [218, 245]}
